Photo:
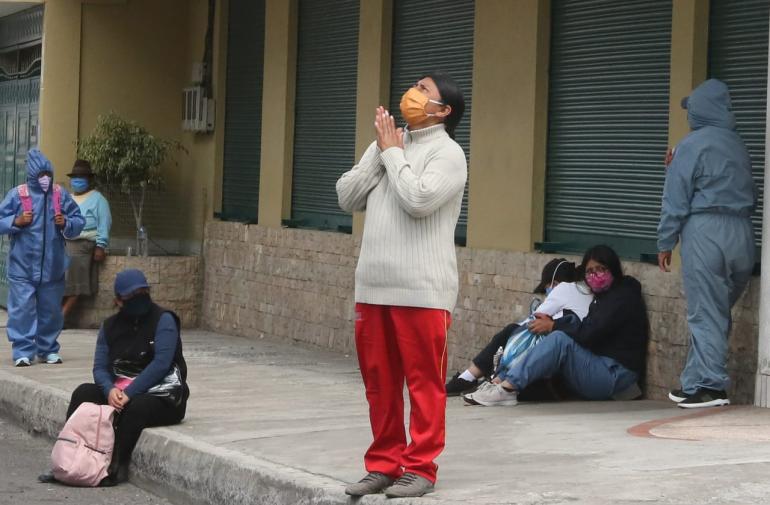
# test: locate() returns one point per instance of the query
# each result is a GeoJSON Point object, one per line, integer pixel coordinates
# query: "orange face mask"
{"type": "Point", "coordinates": [413, 106]}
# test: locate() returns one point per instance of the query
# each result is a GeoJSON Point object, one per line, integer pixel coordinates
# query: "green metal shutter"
{"type": "Point", "coordinates": [243, 110]}
{"type": "Point", "coordinates": [608, 123]}
{"type": "Point", "coordinates": [325, 121]}
{"type": "Point", "coordinates": [435, 35]}
{"type": "Point", "coordinates": [738, 32]}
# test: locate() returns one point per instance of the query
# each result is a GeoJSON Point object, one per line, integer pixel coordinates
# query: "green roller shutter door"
{"type": "Point", "coordinates": [608, 123]}
{"type": "Point", "coordinates": [325, 121]}
{"type": "Point", "coordinates": [738, 35]}
{"type": "Point", "coordinates": [243, 110]}
{"type": "Point", "coordinates": [434, 35]}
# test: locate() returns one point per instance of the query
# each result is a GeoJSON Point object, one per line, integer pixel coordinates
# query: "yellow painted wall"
{"type": "Point", "coordinates": [60, 84]}
{"type": "Point", "coordinates": [374, 47]}
{"type": "Point", "coordinates": [137, 57]}
{"type": "Point", "coordinates": [279, 80]}
{"type": "Point", "coordinates": [133, 62]}
{"type": "Point", "coordinates": [509, 124]}
{"type": "Point", "coordinates": [689, 64]}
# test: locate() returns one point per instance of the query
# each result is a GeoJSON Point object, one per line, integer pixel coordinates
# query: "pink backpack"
{"type": "Point", "coordinates": [83, 450]}
{"type": "Point", "coordinates": [26, 201]}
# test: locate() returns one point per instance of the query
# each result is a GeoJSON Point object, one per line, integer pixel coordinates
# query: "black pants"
{"type": "Point", "coordinates": [143, 411]}
{"type": "Point", "coordinates": [485, 359]}
{"type": "Point", "coordinates": [551, 389]}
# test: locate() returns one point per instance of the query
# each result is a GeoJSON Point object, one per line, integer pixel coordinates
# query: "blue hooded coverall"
{"type": "Point", "coordinates": [708, 198]}
{"type": "Point", "coordinates": [37, 262]}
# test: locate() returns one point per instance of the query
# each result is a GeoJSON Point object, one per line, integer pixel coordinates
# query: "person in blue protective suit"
{"type": "Point", "coordinates": [708, 198]}
{"type": "Point", "coordinates": [37, 260]}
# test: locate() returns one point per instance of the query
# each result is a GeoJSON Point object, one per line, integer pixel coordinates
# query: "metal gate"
{"type": "Point", "coordinates": [20, 59]}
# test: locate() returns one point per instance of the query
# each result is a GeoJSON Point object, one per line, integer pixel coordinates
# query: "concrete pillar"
{"type": "Point", "coordinates": [689, 65]}
{"type": "Point", "coordinates": [279, 83]}
{"type": "Point", "coordinates": [689, 60]}
{"type": "Point", "coordinates": [60, 84]}
{"type": "Point", "coordinates": [375, 33]}
{"type": "Point", "coordinates": [220, 85]}
{"type": "Point", "coordinates": [509, 124]}
{"type": "Point", "coordinates": [762, 390]}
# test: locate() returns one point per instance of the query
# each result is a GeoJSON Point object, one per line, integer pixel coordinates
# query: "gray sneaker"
{"type": "Point", "coordinates": [372, 483]}
{"type": "Point", "coordinates": [409, 485]}
{"type": "Point", "coordinates": [491, 395]}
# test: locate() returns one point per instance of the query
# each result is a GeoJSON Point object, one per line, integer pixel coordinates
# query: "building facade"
{"type": "Point", "coordinates": [572, 105]}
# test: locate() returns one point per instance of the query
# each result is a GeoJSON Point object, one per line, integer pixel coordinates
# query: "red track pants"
{"type": "Point", "coordinates": [393, 344]}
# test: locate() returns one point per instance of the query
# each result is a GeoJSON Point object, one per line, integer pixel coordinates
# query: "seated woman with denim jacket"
{"type": "Point", "coordinates": [139, 369]}
{"type": "Point", "coordinates": [600, 358]}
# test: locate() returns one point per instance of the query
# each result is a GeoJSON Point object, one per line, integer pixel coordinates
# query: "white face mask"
{"type": "Point", "coordinates": [45, 183]}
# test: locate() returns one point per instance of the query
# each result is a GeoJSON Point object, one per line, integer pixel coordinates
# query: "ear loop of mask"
{"type": "Point", "coordinates": [430, 100]}
{"type": "Point", "coordinates": [553, 277]}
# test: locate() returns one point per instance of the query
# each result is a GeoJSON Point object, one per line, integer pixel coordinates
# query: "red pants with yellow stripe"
{"type": "Point", "coordinates": [396, 343]}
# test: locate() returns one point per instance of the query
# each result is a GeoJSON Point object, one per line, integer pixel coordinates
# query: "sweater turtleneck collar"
{"type": "Point", "coordinates": [424, 135]}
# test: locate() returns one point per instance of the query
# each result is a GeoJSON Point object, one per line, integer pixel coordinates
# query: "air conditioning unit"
{"type": "Point", "coordinates": [197, 110]}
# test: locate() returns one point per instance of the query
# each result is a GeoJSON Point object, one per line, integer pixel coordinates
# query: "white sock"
{"type": "Point", "coordinates": [467, 375]}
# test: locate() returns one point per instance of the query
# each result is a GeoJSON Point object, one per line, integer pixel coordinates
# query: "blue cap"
{"type": "Point", "coordinates": [128, 281]}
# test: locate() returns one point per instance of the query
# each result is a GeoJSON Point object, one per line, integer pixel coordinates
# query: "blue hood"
{"type": "Point", "coordinates": [709, 105]}
{"type": "Point", "coordinates": [36, 163]}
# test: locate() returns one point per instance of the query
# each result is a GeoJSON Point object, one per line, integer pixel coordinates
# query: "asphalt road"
{"type": "Point", "coordinates": [23, 457]}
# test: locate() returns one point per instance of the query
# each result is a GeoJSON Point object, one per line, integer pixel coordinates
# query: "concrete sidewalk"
{"type": "Point", "coordinates": [269, 422]}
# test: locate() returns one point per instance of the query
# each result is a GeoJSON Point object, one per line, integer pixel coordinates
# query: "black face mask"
{"type": "Point", "coordinates": [138, 305]}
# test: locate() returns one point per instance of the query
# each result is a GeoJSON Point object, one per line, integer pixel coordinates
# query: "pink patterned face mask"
{"type": "Point", "coordinates": [599, 282]}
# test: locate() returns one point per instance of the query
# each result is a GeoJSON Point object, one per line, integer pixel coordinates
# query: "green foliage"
{"type": "Point", "coordinates": [124, 154]}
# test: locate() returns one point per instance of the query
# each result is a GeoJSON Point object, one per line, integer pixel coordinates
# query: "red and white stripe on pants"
{"type": "Point", "coordinates": [396, 343]}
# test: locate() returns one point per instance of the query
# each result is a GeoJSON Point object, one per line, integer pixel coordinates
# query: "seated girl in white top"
{"type": "Point", "coordinates": [562, 293]}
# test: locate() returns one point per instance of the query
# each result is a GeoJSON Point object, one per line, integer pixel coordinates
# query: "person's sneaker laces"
{"type": "Point", "coordinates": [372, 483]}
{"type": "Point", "coordinates": [457, 386]}
{"type": "Point", "coordinates": [22, 362]}
{"type": "Point", "coordinates": [53, 359]}
{"type": "Point", "coordinates": [491, 395]}
{"type": "Point", "coordinates": [409, 485]}
{"type": "Point", "coordinates": [677, 395]}
{"type": "Point", "coordinates": [705, 397]}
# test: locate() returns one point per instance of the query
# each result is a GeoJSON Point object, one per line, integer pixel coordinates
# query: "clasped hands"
{"type": "Point", "coordinates": [117, 399]}
{"type": "Point", "coordinates": [387, 134]}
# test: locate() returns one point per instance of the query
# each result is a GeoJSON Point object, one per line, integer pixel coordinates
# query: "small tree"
{"type": "Point", "coordinates": [125, 155]}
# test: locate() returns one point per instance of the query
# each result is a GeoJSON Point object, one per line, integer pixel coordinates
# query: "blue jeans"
{"type": "Point", "coordinates": [591, 376]}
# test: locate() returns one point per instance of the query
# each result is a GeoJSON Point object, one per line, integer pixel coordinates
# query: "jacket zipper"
{"type": "Point", "coordinates": [45, 230]}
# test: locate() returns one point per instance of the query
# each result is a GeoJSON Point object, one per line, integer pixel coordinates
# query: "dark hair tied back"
{"type": "Point", "coordinates": [451, 95]}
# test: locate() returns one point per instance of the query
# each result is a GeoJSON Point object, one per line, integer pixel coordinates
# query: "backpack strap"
{"type": "Point", "coordinates": [26, 201]}
{"type": "Point", "coordinates": [57, 199]}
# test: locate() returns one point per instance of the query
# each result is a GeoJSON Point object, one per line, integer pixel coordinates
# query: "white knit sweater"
{"type": "Point", "coordinates": [412, 198]}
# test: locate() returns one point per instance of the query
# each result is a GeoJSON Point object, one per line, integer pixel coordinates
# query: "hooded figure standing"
{"type": "Point", "coordinates": [37, 260]}
{"type": "Point", "coordinates": [708, 200]}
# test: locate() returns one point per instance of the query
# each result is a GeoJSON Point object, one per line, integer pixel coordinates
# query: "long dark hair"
{"type": "Point", "coordinates": [451, 95]}
{"type": "Point", "coordinates": [605, 255]}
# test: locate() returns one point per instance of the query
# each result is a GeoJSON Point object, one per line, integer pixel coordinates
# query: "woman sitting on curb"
{"type": "Point", "coordinates": [601, 358]}
{"type": "Point", "coordinates": [139, 370]}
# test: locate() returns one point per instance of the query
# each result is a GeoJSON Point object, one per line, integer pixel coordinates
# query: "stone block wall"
{"type": "Point", "coordinates": [298, 284]}
{"type": "Point", "coordinates": [175, 283]}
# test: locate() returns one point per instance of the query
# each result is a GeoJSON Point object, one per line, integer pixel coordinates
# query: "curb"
{"type": "Point", "coordinates": [183, 469]}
